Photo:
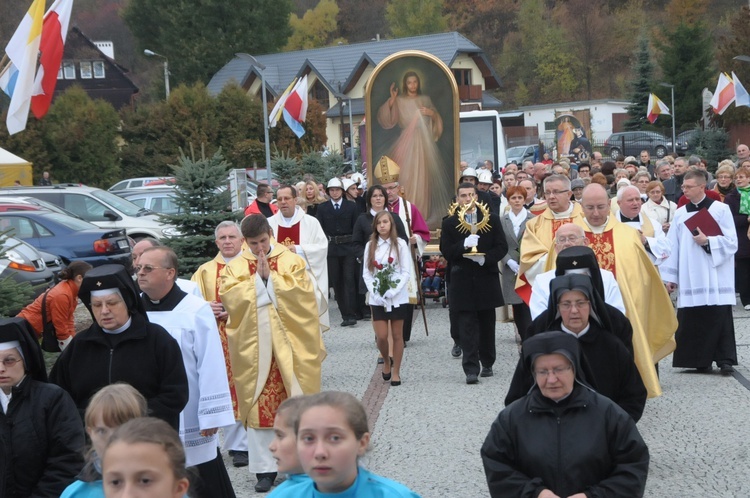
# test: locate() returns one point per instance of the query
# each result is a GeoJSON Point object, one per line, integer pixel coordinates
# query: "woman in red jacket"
{"type": "Point", "coordinates": [62, 300]}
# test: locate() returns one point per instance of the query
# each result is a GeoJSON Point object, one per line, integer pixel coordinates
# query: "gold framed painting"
{"type": "Point", "coordinates": [411, 109]}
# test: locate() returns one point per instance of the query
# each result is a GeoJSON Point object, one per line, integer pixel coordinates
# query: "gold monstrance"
{"type": "Point", "coordinates": [472, 226]}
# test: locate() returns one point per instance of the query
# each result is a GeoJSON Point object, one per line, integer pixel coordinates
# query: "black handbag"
{"type": "Point", "coordinates": [49, 334]}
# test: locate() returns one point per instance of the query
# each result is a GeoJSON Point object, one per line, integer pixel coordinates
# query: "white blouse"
{"type": "Point", "coordinates": [403, 266]}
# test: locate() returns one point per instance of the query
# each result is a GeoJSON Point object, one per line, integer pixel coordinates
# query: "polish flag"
{"type": "Point", "coordinates": [295, 107]}
{"type": "Point", "coordinates": [655, 108]}
{"type": "Point", "coordinates": [54, 32]}
{"type": "Point", "coordinates": [724, 94]}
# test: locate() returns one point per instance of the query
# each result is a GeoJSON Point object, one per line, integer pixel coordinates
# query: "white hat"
{"type": "Point", "coordinates": [334, 183]}
{"type": "Point", "coordinates": [357, 178]}
{"type": "Point", "coordinates": [485, 176]}
{"type": "Point", "coordinates": [4, 346]}
{"type": "Point", "coordinates": [469, 172]}
{"type": "Point", "coordinates": [623, 182]}
{"type": "Point", "coordinates": [347, 184]}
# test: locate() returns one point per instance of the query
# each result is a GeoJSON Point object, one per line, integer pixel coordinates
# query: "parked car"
{"type": "Point", "coordinates": [30, 203]}
{"type": "Point", "coordinates": [261, 176]}
{"type": "Point", "coordinates": [103, 209]}
{"type": "Point", "coordinates": [157, 200]}
{"type": "Point", "coordinates": [69, 238]}
{"type": "Point", "coordinates": [521, 153]}
{"type": "Point", "coordinates": [631, 143]}
{"type": "Point", "coordinates": [143, 182]}
{"type": "Point", "coordinates": [21, 262]}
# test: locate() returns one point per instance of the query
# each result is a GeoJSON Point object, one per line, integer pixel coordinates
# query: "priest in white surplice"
{"type": "Point", "coordinates": [191, 322]}
{"type": "Point", "coordinates": [701, 269]}
{"type": "Point", "coordinates": [652, 235]}
{"type": "Point", "coordinates": [303, 235]}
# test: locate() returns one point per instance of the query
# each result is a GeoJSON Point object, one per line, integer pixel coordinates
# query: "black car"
{"type": "Point", "coordinates": [631, 143]}
{"type": "Point", "coordinates": [69, 238]}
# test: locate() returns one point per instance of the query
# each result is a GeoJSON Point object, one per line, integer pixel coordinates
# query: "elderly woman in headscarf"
{"type": "Point", "coordinates": [41, 436]}
{"type": "Point", "coordinates": [576, 309]}
{"type": "Point", "coordinates": [563, 439]}
{"type": "Point", "coordinates": [122, 346]}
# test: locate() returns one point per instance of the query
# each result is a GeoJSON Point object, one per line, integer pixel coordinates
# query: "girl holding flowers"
{"type": "Point", "coordinates": [386, 273]}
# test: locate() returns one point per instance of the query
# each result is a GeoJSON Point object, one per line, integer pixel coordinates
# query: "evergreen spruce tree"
{"type": "Point", "coordinates": [687, 61]}
{"type": "Point", "coordinates": [203, 203]}
{"type": "Point", "coordinates": [640, 86]}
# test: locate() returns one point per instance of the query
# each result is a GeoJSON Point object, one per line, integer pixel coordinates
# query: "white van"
{"type": "Point", "coordinates": [102, 208]}
{"type": "Point", "coordinates": [482, 138]}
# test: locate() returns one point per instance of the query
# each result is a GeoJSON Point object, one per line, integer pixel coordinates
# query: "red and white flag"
{"type": "Point", "coordinates": [54, 32]}
{"type": "Point", "coordinates": [724, 94]}
{"type": "Point", "coordinates": [295, 107]}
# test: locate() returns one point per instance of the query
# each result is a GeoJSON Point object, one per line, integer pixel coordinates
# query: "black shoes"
{"type": "Point", "coordinates": [486, 372]}
{"type": "Point", "coordinates": [239, 458]}
{"type": "Point", "coordinates": [704, 369]}
{"type": "Point", "coordinates": [726, 369]}
{"type": "Point", "coordinates": [387, 376]}
{"type": "Point", "coordinates": [456, 351]}
{"type": "Point", "coordinates": [265, 482]}
{"type": "Point", "coordinates": [349, 322]}
{"type": "Point", "coordinates": [472, 379]}
{"type": "Point", "coordinates": [395, 383]}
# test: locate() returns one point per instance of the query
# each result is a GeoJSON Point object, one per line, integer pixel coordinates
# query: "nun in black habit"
{"type": "Point", "coordinates": [122, 346]}
{"type": "Point", "coordinates": [582, 260]}
{"type": "Point", "coordinates": [607, 365]}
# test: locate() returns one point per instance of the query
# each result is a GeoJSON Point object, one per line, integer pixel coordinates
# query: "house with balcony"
{"type": "Point", "coordinates": [337, 76]}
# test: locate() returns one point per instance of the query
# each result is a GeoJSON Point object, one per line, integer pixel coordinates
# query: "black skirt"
{"type": "Point", "coordinates": [379, 313]}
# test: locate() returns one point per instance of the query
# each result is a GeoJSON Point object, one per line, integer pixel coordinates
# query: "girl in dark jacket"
{"type": "Point", "coordinates": [41, 436]}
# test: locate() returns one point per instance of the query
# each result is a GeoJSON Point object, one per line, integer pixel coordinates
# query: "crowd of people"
{"type": "Point", "coordinates": [586, 255]}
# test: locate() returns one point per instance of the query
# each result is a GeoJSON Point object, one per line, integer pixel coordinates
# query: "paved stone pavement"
{"type": "Point", "coordinates": [429, 430]}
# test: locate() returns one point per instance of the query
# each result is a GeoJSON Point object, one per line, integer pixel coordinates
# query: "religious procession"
{"type": "Point", "coordinates": [457, 312]}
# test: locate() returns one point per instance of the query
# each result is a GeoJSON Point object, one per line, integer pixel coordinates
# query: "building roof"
{"type": "Point", "coordinates": [338, 66]}
{"type": "Point", "coordinates": [571, 105]}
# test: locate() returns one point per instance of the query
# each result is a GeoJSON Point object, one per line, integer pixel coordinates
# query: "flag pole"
{"type": "Point", "coordinates": [674, 136]}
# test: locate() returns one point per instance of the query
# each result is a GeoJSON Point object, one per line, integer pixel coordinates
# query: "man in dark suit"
{"type": "Point", "coordinates": [474, 290]}
{"type": "Point", "coordinates": [337, 218]}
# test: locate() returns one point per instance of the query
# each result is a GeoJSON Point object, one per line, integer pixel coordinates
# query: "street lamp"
{"type": "Point", "coordinates": [674, 137]}
{"type": "Point", "coordinates": [262, 68]}
{"type": "Point", "coordinates": [348, 104]}
{"type": "Point", "coordinates": [151, 53]}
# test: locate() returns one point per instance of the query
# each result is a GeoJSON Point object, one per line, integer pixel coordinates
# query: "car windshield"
{"type": "Point", "coordinates": [125, 207]}
{"type": "Point", "coordinates": [72, 223]}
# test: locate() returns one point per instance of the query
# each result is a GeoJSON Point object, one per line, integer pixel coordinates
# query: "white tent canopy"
{"type": "Point", "coordinates": [14, 168]}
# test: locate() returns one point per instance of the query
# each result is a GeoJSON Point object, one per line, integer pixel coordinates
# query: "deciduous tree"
{"type": "Point", "coordinates": [415, 17]}
{"type": "Point", "coordinates": [317, 28]}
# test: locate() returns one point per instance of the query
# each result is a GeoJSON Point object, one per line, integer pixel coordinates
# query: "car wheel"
{"type": "Point", "coordinates": [614, 152]}
{"type": "Point", "coordinates": [661, 151]}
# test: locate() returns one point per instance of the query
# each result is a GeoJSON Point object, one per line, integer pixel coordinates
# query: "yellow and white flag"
{"type": "Point", "coordinates": [655, 107]}
{"type": "Point", "coordinates": [23, 50]}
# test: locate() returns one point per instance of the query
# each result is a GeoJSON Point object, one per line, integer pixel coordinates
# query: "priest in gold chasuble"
{"type": "Point", "coordinates": [539, 236]}
{"type": "Point", "coordinates": [274, 333]}
{"type": "Point", "coordinates": [618, 248]}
